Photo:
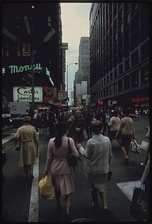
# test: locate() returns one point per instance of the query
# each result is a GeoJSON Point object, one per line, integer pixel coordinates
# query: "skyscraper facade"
{"type": "Point", "coordinates": [119, 54]}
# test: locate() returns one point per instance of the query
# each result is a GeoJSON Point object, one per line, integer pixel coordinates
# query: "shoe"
{"type": "Point", "coordinates": [106, 211]}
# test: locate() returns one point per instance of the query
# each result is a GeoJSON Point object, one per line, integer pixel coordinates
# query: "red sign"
{"type": "Point", "coordinates": [49, 93]}
{"type": "Point", "coordinates": [138, 100]}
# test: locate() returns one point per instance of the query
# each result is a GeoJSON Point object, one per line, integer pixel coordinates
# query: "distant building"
{"type": "Point", "coordinates": [82, 76]}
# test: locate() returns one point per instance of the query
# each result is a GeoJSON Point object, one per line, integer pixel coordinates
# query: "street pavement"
{"type": "Point", "coordinates": [21, 202]}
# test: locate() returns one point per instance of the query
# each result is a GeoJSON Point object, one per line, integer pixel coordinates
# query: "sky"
{"type": "Point", "coordinates": [75, 24]}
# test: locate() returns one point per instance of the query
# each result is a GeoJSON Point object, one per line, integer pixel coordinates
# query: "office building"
{"type": "Point", "coordinates": [119, 54]}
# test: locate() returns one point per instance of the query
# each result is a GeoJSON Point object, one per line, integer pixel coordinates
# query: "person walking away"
{"type": "Point", "coordinates": [125, 134]}
{"type": "Point", "coordinates": [98, 153]}
{"type": "Point", "coordinates": [145, 179]}
{"type": "Point", "coordinates": [113, 124]}
{"type": "Point", "coordinates": [105, 119]}
{"type": "Point", "coordinates": [52, 123]}
{"type": "Point", "coordinates": [56, 165]}
{"type": "Point", "coordinates": [76, 129]}
{"type": "Point", "coordinates": [29, 142]}
{"type": "Point", "coordinates": [88, 116]}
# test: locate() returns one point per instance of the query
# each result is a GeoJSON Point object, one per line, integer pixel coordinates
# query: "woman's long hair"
{"type": "Point", "coordinates": [61, 130]}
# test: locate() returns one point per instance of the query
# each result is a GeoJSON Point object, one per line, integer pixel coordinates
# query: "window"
{"type": "Point", "coordinates": [120, 86]}
{"type": "Point", "coordinates": [127, 82]}
{"type": "Point", "coordinates": [135, 79]}
{"type": "Point", "coordinates": [145, 51]}
{"type": "Point", "coordinates": [145, 75]}
{"type": "Point", "coordinates": [26, 50]}
{"type": "Point", "coordinates": [134, 58]}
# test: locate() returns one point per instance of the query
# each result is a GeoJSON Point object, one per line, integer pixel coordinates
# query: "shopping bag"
{"type": "Point", "coordinates": [17, 145]}
{"type": "Point", "coordinates": [139, 204]}
{"type": "Point", "coordinates": [46, 188]}
{"type": "Point", "coordinates": [144, 145]}
{"type": "Point", "coordinates": [135, 147]}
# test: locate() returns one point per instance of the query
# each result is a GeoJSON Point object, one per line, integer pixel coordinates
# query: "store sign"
{"type": "Point", "coordinates": [24, 94]}
{"type": "Point", "coordinates": [19, 69]}
{"type": "Point", "coordinates": [139, 100]}
{"type": "Point", "coordinates": [49, 93]}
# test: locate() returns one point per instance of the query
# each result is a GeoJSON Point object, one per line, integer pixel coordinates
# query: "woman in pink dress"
{"type": "Point", "coordinates": [57, 166]}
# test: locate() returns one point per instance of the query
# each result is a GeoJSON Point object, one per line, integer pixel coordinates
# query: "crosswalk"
{"type": "Point", "coordinates": [128, 187]}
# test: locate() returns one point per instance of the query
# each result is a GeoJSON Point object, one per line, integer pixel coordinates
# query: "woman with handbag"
{"type": "Point", "coordinates": [125, 134]}
{"type": "Point", "coordinates": [57, 166]}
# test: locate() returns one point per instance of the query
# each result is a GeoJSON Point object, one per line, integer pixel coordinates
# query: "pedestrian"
{"type": "Point", "coordinates": [29, 142]}
{"type": "Point", "coordinates": [77, 127]}
{"type": "Point", "coordinates": [98, 153]}
{"type": "Point", "coordinates": [113, 124]}
{"type": "Point", "coordinates": [148, 150]}
{"type": "Point", "coordinates": [76, 130]}
{"type": "Point", "coordinates": [125, 134]}
{"type": "Point", "coordinates": [52, 121]}
{"type": "Point", "coordinates": [145, 179]}
{"type": "Point", "coordinates": [105, 120]}
{"type": "Point", "coordinates": [56, 165]}
{"type": "Point", "coordinates": [88, 116]}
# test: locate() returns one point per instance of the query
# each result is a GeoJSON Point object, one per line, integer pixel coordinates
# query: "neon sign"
{"type": "Point", "coordinates": [25, 68]}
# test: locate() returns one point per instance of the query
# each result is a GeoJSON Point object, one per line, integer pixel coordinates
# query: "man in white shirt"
{"type": "Point", "coordinates": [98, 153]}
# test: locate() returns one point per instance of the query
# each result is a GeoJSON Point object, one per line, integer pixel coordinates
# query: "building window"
{"type": "Point", "coordinates": [127, 82]}
{"type": "Point", "coordinates": [120, 86]}
{"type": "Point", "coordinates": [7, 50]}
{"type": "Point", "coordinates": [134, 58]}
{"type": "Point", "coordinates": [145, 75]}
{"type": "Point", "coordinates": [145, 51]}
{"type": "Point", "coordinates": [26, 50]}
{"type": "Point", "coordinates": [135, 79]}
{"type": "Point", "coordinates": [49, 21]}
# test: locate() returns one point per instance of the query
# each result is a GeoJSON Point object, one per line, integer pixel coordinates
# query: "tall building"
{"type": "Point", "coordinates": [25, 41]}
{"type": "Point", "coordinates": [84, 59]}
{"type": "Point", "coordinates": [119, 54]}
{"type": "Point", "coordinates": [82, 76]}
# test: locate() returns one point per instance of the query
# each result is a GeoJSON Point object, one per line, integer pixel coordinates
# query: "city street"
{"type": "Point", "coordinates": [21, 201]}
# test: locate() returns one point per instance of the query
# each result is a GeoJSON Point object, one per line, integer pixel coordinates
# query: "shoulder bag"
{"type": "Point", "coordinates": [71, 159]}
{"type": "Point", "coordinates": [139, 204]}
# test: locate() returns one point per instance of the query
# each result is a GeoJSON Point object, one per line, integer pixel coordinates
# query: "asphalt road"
{"type": "Point", "coordinates": [21, 201]}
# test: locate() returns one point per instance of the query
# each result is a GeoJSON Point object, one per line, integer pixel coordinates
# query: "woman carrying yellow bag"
{"type": "Point", "coordinates": [46, 188]}
{"type": "Point", "coordinates": [57, 165]}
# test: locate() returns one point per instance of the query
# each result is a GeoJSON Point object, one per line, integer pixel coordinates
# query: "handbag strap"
{"type": "Point", "coordinates": [68, 146]}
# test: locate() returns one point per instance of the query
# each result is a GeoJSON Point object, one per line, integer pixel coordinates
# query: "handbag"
{"type": "Point", "coordinates": [144, 145]}
{"type": "Point", "coordinates": [71, 159]}
{"type": "Point", "coordinates": [46, 188]}
{"type": "Point", "coordinates": [17, 145]}
{"type": "Point", "coordinates": [109, 175]}
{"type": "Point", "coordinates": [134, 147]}
{"type": "Point", "coordinates": [139, 205]}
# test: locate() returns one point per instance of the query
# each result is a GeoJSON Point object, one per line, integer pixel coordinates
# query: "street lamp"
{"type": "Point", "coordinates": [67, 77]}
{"type": "Point", "coordinates": [33, 53]}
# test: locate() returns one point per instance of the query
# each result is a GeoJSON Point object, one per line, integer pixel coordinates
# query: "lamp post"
{"type": "Point", "coordinates": [33, 52]}
{"type": "Point", "coordinates": [67, 77]}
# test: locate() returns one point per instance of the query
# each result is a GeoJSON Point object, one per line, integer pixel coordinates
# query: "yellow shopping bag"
{"type": "Point", "coordinates": [46, 188]}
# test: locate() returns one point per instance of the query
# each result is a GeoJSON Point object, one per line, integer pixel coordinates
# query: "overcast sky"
{"type": "Point", "coordinates": [75, 24]}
